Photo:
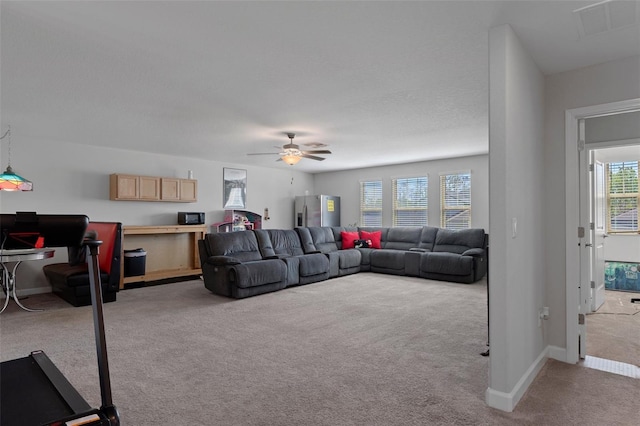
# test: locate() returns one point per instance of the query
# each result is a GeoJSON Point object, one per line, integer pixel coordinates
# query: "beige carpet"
{"type": "Point", "coordinates": [613, 331]}
{"type": "Point", "coordinates": [368, 349]}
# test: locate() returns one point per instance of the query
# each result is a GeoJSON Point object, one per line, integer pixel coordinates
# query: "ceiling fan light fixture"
{"type": "Point", "coordinates": [291, 159]}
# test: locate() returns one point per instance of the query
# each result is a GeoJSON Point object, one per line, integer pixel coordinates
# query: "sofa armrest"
{"type": "Point", "coordinates": [420, 250]}
{"type": "Point", "coordinates": [473, 252]}
{"type": "Point", "coordinates": [277, 257]}
{"type": "Point", "coordinates": [223, 260]}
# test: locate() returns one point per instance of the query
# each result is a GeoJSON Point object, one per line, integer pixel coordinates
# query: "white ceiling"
{"type": "Point", "coordinates": [378, 82]}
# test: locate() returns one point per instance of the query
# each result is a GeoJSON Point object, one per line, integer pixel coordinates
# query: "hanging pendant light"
{"type": "Point", "coordinates": [9, 181]}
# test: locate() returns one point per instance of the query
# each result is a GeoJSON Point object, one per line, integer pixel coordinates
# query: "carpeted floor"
{"type": "Point", "coordinates": [368, 349]}
{"type": "Point", "coordinates": [613, 331]}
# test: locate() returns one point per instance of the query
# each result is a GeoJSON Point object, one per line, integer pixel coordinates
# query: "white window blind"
{"type": "Point", "coordinates": [371, 203]}
{"type": "Point", "coordinates": [455, 200]}
{"type": "Point", "coordinates": [622, 196]}
{"type": "Point", "coordinates": [410, 202]}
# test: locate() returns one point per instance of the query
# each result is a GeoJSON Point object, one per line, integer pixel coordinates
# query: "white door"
{"type": "Point", "coordinates": [598, 234]}
{"type": "Point", "coordinates": [585, 244]}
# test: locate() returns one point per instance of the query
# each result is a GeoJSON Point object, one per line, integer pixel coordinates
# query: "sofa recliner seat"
{"type": "Point", "coordinates": [233, 266]}
{"type": "Point", "coordinates": [285, 244]}
{"type": "Point", "coordinates": [458, 256]}
{"type": "Point", "coordinates": [341, 262]}
{"type": "Point", "coordinates": [391, 258]}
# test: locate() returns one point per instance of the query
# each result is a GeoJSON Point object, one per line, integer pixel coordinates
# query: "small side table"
{"type": "Point", "coordinates": [9, 273]}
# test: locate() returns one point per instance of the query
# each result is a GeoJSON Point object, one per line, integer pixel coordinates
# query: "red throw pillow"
{"type": "Point", "coordinates": [373, 236]}
{"type": "Point", "coordinates": [348, 239]}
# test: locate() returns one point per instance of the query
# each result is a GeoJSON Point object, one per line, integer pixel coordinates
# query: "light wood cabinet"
{"type": "Point", "coordinates": [172, 251]}
{"type": "Point", "coordinates": [170, 189]}
{"type": "Point", "coordinates": [188, 190]}
{"type": "Point", "coordinates": [150, 188]}
{"type": "Point", "coordinates": [124, 187]}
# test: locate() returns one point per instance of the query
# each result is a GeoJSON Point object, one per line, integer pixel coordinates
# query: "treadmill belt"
{"type": "Point", "coordinates": [27, 395]}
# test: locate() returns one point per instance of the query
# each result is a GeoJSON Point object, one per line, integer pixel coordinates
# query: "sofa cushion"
{"type": "Point", "coordinates": [322, 239]}
{"type": "Point", "coordinates": [252, 274]}
{"type": "Point", "coordinates": [458, 241]}
{"type": "Point", "coordinates": [403, 238]}
{"type": "Point", "coordinates": [349, 258]}
{"type": "Point", "coordinates": [374, 237]}
{"type": "Point", "coordinates": [313, 264]}
{"type": "Point", "coordinates": [337, 236]}
{"type": "Point", "coordinates": [428, 238]}
{"type": "Point", "coordinates": [306, 240]}
{"type": "Point", "coordinates": [348, 239]}
{"type": "Point", "coordinates": [370, 229]}
{"type": "Point", "coordinates": [387, 259]}
{"type": "Point", "coordinates": [71, 276]}
{"type": "Point", "coordinates": [446, 263]}
{"type": "Point", "coordinates": [285, 242]}
{"type": "Point", "coordinates": [241, 245]}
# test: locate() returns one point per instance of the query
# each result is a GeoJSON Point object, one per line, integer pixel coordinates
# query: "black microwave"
{"type": "Point", "coordinates": [191, 218]}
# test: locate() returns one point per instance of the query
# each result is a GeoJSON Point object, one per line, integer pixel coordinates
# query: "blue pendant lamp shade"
{"type": "Point", "coordinates": [9, 181]}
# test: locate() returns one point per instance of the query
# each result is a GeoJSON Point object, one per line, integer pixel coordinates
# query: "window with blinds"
{"type": "Point", "coordinates": [410, 201]}
{"type": "Point", "coordinates": [455, 200]}
{"type": "Point", "coordinates": [371, 203]}
{"type": "Point", "coordinates": [622, 197]}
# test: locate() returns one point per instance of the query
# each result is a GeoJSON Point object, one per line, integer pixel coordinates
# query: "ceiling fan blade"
{"type": "Point", "coordinates": [263, 153]}
{"type": "Point", "coordinates": [317, 151]}
{"type": "Point", "coordinates": [312, 157]}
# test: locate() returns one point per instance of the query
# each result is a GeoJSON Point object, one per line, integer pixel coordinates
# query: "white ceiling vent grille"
{"type": "Point", "coordinates": [606, 16]}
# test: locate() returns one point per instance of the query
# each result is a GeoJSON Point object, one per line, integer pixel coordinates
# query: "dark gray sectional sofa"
{"type": "Point", "coordinates": [247, 263]}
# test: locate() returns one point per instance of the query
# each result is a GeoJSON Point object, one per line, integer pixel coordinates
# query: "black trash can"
{"type": "Point", "coordinates": [134, 262]}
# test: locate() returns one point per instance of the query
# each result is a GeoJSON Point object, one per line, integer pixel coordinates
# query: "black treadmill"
{"type": "Point", "coordinates": [33, 392]}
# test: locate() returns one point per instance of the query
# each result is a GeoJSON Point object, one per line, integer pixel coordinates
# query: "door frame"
{"type": "Point", "coordinates": [597, 207]}
{"type": "Point", "coordinates": [572, 213]}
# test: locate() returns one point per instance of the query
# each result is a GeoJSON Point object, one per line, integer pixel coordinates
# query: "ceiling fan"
{"type": "Point", "coordinates": [291, 153]}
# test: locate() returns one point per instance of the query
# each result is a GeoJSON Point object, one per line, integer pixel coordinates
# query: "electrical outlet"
{"type": "Point", "coordinates": [545, 313]}
{"type": "Point", "coordinates": [540, 317]}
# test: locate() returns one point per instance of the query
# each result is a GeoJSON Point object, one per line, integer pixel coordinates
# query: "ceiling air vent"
{"type": "Point", "coordinates": [606, 16]}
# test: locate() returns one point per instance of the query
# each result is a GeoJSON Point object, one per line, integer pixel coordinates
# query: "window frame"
{"type": "Point", "coordinates": [421, 206]}
{"type": "Point", "coordinates": [364, 208]}
{"type": "Point", "coordinates": [444, 206]}
{"type": "Point", "coordinates": [622, 195]}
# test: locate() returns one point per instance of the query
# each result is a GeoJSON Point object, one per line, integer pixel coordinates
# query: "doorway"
{"type": "Point", "coordinates": [611, 323]}
{"type": "Point", "coordinates": [577, 255]}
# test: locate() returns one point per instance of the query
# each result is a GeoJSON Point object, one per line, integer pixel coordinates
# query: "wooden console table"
{"type": "Point", "coordinates": [172, 251]}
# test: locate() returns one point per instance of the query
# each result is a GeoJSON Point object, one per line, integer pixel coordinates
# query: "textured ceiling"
{"type": "Point", "coordinates": [378, 82]}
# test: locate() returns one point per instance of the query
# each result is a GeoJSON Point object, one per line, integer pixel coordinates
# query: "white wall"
{"type": "Point", "coordinates": [604, 83]}
{"type": "Point", "coordinates": [70, 178]}
{"type": "Point", "coordinates": [516, 179]}
{"type": "Point", "coordinates": [622, 248]}
{"type": "Point", "coordinates": [346, 184]}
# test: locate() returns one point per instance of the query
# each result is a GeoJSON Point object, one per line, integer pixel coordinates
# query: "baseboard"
{"type": "Point", "coordinates": [508, 401]}
{"type": "Point", "coordinates": [29, 291]}
{"type": "Point", "coordinates": [557, 353]}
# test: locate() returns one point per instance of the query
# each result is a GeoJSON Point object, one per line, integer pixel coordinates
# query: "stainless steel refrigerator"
{"type": "Point", "coordinates": [317, 210]}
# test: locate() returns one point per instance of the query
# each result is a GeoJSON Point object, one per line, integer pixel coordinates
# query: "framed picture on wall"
{"type": "Point", "coordinates": [235, 188]}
